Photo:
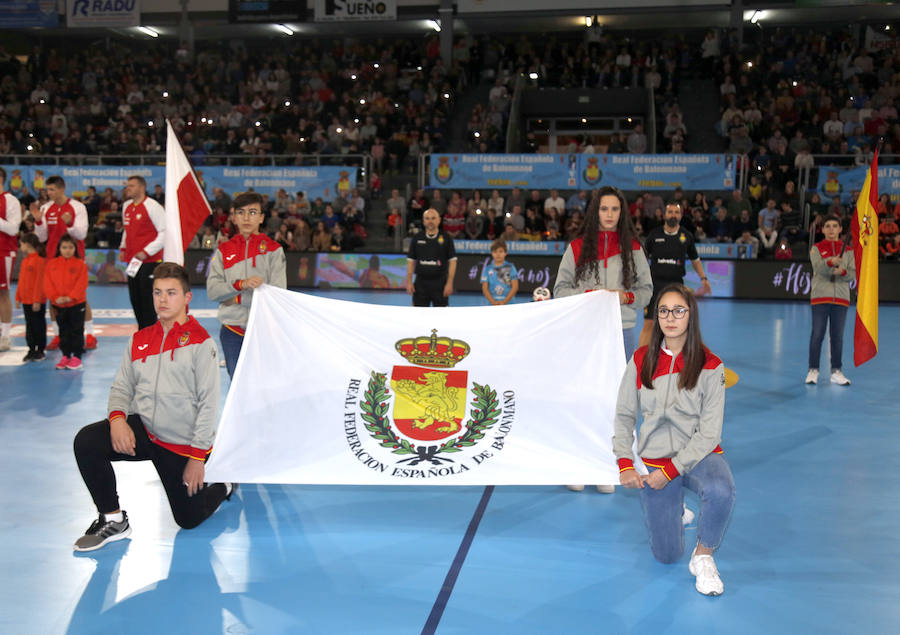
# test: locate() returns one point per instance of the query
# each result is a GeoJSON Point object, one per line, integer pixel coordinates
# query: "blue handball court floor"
{"type": "Point", "coordinates": [812, 547]}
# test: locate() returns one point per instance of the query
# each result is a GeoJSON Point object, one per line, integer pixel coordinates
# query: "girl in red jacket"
{"type": "Point", "coordinates": [31, 298]}
{"type": "Point", "coordinates": [65, 283]}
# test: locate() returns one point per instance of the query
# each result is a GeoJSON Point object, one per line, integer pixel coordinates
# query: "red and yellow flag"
{"type": "Point", "coordinates": [865, 251]}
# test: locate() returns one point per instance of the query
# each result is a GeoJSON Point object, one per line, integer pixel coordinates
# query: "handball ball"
{"type": "Point", "coordinates": [540, 294]}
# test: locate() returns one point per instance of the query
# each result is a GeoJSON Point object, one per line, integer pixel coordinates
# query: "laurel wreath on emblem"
{"type": "Point", "coordinates": [484, 415]}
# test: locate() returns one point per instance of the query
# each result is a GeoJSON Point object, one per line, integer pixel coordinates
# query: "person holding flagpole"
{"type": "Point", "coordinates": [833, 267]}
{"type": "Point", "coordinates": [142, 243]}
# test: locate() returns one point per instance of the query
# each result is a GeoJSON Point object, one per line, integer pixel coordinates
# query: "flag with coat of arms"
{"type": "Point", "coordinates": [335, 392]}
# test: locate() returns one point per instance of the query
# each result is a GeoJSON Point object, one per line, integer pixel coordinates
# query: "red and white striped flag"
{"type": "Point", "coordinates": [186, 204]}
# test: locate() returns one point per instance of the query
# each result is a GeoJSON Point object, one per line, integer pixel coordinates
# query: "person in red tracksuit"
{"type": "Point", "coordinates": [58, 217]}
{"type": "Point", "coordinates": [31, 297]}
{"type": "Point", "coordinates": [145, 227]}
{"type": "Point", "coordinates": [65, 283]}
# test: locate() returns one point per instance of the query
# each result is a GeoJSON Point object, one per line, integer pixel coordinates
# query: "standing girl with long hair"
{"type": "Point", "coordinates": [607, 255]}
{"type": "Point", "coordinates": [677, 386]}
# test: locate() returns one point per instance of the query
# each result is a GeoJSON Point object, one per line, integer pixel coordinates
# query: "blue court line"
{"type": "Point", "coordinates": [447, 588]}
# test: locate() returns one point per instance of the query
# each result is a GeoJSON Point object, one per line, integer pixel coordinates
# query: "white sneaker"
{"type": "Point", "coordinates": [5, 344]}
{"type": "Point", "coordinates": [812, 377]}
{"type": "Point", "coordinates": [704, 568]}
{"type": "Point", "coordinates": [606, 489]}
{"type": "Point", "coordinates": [837, 377]}
{"type": "Point", "coordinates": [575, 488]}
{"type": "Point", "coordinates": [687, 516]}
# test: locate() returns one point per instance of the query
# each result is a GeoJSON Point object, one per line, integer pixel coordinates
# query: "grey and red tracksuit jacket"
{"type": "Point", "coordinates": [680, 427]}
{"type": "Point", "coordinates": [831, 285]}
{"type": "Point", "coordinates": [171, 380]}
{"type": "Point", "coordinates": [609, 274]}
{"type": "Point", "coordinates": [236, 260]}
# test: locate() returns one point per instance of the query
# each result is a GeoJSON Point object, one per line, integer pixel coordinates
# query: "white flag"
{"type": "Point", "coordinates": [186, 204]}
{"type": "Point", "coordinates": [328, 391]}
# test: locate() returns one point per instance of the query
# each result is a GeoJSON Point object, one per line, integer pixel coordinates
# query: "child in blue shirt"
{"type": "Point", "coordinates": [499, 281]}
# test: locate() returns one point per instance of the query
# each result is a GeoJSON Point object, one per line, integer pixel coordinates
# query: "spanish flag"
{"type": "Point", "coordinates": [865, 251]}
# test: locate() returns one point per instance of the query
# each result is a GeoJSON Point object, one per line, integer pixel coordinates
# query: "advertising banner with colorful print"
{"type": "Point", "coordinates": [632, 172]}
{"type": "Point", "coordinates": [351, 270]}
{"type": "Point", "coordinates": [346, 393]}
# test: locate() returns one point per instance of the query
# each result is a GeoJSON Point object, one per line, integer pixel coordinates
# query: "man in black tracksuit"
{"type": "Point", "coordinates": [432, 258]}
{"type": "Point", "coordinates": [668, 248]}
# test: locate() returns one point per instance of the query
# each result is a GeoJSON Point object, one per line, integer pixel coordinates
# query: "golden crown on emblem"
{"type": "Point", "coordinates": [434, 351]}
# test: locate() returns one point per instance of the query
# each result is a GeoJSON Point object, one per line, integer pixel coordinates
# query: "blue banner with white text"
{"type": "Point", "coordinates": [657, 171]}
{"type": "Point", "coordinates": [315, 181]}
{"type": "Point", "coordinates": [583, 171]}
{"type": "Point", "coordinates": [504, 171]}
{"type": "Point", "coordinates": [536, 248]}
{"type": "Point", "coordinates": [21, 14]}
{"type": "Point", "coordinates": [847, 182]}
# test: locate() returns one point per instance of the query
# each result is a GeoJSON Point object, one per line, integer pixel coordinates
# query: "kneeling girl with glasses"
{"type": "Point", "coordinates": [677, 386]}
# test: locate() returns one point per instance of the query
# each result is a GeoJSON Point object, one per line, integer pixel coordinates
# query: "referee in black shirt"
{"type": "Point", "coordinates": [668, 248]}
{"type": "Point", "coordinates": [433, 259]}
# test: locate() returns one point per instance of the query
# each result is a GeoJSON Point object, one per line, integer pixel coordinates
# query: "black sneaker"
{"type": "Point", "coordinates": [29, 356]}
{"type": "Point", "coordinates": [38, 356]}
{"type": "Point", "coordinates": [103, 531]}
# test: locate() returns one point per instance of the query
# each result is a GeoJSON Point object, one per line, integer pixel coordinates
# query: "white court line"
{"type": "Point", "coordinates": [13, 357]}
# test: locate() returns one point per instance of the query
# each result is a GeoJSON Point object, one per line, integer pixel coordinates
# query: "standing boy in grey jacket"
{"type": "Point", "coordinates": [163, 407]}
{"type": "Point", "coordinates": [833, 268]}
{"type": "Point", "coordinates": [240, 265]}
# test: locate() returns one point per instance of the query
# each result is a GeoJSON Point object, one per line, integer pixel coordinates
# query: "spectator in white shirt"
{"type": "Point", "coordinates": [554, 200]}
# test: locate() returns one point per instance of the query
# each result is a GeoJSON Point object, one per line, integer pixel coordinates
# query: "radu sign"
{"type": "Point", "coordinates": [103, 13]}
{"type": "Point", "coordinates": [347, 10]}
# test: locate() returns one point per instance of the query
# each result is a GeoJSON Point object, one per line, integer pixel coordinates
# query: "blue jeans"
{"type": "Point", "coordinates": [711, 480]}
{"type": "Point", "coordinates": [231, 346]}
{"type": "Point", "coordinates": [628, 337]}
{"type": "Point", "coordinates": [834, 315]}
